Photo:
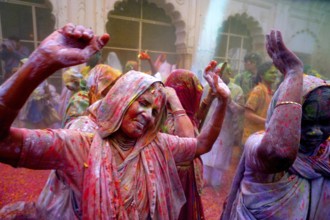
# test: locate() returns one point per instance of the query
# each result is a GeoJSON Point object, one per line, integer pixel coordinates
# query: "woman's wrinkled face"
{"type": "Point", "coordinates": [143, 112]}
{"type": "Point", "coordinates": [315, 124]}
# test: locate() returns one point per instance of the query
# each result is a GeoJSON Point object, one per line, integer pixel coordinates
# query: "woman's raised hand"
{"type": "Point", "coordinates": [219, 88]}
{"type": "Point", "coordinates": [144, 56]}
{"type": "Point", "coordinates": [70, 45]}
{"type": "Point", "coordinates": [283, 58]}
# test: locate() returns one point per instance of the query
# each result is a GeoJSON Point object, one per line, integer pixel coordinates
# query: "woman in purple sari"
{"type": "Point", "coordinates": [284, 172]}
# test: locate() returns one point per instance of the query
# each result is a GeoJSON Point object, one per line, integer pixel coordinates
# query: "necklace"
{"type": "Point", "coordinates": [124, 144]}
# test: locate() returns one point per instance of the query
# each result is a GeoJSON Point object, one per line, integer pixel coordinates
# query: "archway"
{"type": "Point", "coordinates": [155, 27]}
{"type": "Point", "coordinates": [238, 35]}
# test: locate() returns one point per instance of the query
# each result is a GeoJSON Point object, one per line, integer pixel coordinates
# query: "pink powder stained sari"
{"type": "Point", "coordinates": [146, 184]}
{"type": "Point", "coordinates": [189, 90]}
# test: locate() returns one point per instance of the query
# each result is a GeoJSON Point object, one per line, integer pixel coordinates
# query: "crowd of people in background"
{"type": "Point", "coordinates": [143, 145]}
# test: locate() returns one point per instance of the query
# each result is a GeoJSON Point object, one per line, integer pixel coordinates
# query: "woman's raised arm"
{"type": "Point", "coordinates": [70, 45]}
{"type": "Point", "coordinates": [278, 147]}
{"type": "Point", "coordinates": [210, 132]}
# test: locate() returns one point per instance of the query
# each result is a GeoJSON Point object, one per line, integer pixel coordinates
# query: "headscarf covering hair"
{"type": "Point", "coordinates": [101, 193]}
{"type": "Point", "coordinates": [71, 77]}
{"type": "Point", "coordinates": [114, 61]}
{"type": "Point", "coordinates": [100, 78]}
{"type": "Point", "coordinates": [309, 84]}
{"type": "Point", "coordinates": [109, 118]}
{"type": "Point", "coordinates": [131, 65]}
{"type": "Point", "coordinates": [189, 90]}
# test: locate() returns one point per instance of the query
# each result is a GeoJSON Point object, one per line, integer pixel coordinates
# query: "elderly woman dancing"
{"type": "Point", "coordinates": [124, 170]}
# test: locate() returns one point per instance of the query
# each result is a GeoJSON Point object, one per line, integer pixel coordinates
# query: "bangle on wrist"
{"type": "Point", "coordinates": [179, 112]}
{"type": "Point", "coordinates": [179, 115]}
{"type": "Point", "coordinates": [287, 103]}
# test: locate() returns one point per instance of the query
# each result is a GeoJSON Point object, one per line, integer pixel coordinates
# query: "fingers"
{"type": "Point", "coordinates": [103, 40]}
{"type": "Point", "coordinates": [215, 79]}
{"type": "Point", "coordinates": [269, 47]}
{"type": "Point", "coordinates": [275, 48]}
{"type": "Point", "coordinates": [213, 64]}
{"type": "Point", "coordinates": [87, 44]}
{"type": "Point", "coordinates": [271, 44]}
{"type": "Point", "coordinates": [77, 31]}
{"type": "Point", "coordinates": [207, 68]}
{"type": "Point", "coordinates": [96, 44]}
{"type": "Point", "coordinates": [210, 66]}
{"type": "Point", "coordinates": [87, 34]}
{"type": "Point", "coordinates": [68, 29]}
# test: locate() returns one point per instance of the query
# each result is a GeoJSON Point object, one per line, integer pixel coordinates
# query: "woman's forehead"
{"type": "Point", "coordinates": [155, 92]}
{"type": "Point", "coordinates": [318, 102]}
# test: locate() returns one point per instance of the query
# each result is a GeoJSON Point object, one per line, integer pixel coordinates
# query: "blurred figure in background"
{"type": "Point", "coordinates": [90, 64]}
{"type": "Point", "coordinates": [164, 67]}
{"type": "Point", "coordinates": [153, 70]}
{"type": "Point", "coordinates": [100, 80]}
{"type": "Point", "coordinates": [71, 80]}
{"type": "Point", "coordinates": [309, 70]}
{"type": "Point", "coordinates": [114, 62]}
{"type": "Point", "coordinates": [41, 109]}
{"type": "Point", "coordinates": [217, 161]}
{"type": "Point", "coordinates": [247, 79]}
{"type": "Point", "coordinates": [40, 112]}
{"type": "Point", "coordinates": [11, 52]}
{"type": "Point", "coordinates": [257, 104]}
{"type": "Point", "coordinates": [189, 91]}
{"type": "Point", "coordinates": [131, 65]}
{"type": "Point", "coordinates": [76, 85]}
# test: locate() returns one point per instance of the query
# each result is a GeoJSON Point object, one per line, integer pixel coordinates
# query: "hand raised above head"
{"type": "Point", "coordinates": [144, 56]}
{"type": "Point", "coordinates": [70, 45]}
{"type": "Point", "coordinates": [173, 101]}
{"type": "Point", "coordinates": [283, 58]}
{"type": "Point", "coordinates": [219, 88]}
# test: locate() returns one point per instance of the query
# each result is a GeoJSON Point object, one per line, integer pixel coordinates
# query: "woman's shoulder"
{"type": "Point", "coordinates": [83, 124]}
{"type": "Point", "coordinates": [251, 147]}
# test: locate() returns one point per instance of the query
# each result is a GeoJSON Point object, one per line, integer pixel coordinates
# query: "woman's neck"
{"type": "Point", "coordinates": [268, 85]}
{"type": "Point", "coordinates": [125, 143]}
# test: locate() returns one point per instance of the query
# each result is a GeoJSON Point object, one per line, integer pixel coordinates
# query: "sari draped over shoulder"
{"type": "Point", "coordinates": [145, 185]}
{"type": "Point", "coordinates": [303, 192]}
{"type": "Point", "coordinates": [189, 91]}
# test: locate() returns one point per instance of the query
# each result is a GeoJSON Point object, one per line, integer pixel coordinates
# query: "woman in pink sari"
{"type": "Point", "coordinates": [189, 91]}
{"type": "Point", "coordinates": [124, 170]}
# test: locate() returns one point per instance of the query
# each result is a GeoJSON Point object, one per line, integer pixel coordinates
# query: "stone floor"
{"type": "Point", "coordinates": [25, 185]}
{"type": "Point", "coordinates": [213, 197]}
